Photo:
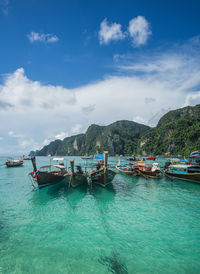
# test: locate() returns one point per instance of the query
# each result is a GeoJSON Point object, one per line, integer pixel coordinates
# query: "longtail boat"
{"type": "Point", "coordinates": [48, 176]}
{"type": "Point", "coordinates": [126, 168]}
{"type": "Point", "coordinates": [183, 172]}
{"type": "Point", "coordinates": [149, 170]}
{"type": "Point", "coordinates": [15, 163]}
{"type": "Point", "coordinates": [102, 175]}
{"type": "Point", "coordinates": [78, 177]}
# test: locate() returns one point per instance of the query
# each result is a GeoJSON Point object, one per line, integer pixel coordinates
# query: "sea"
{"type": "Point", "coordinates": [133, 225]}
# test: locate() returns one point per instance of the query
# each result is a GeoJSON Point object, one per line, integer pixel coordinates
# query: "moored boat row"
{"type": "Point", "coordinates": [102, 175]}
{"type": "Point", "coordinates": [188, 170]}
{"type": "Point", "coordinates": [140, 168]}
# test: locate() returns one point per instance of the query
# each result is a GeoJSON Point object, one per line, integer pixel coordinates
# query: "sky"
{"type": "Point", "coordinates": [65, 65]}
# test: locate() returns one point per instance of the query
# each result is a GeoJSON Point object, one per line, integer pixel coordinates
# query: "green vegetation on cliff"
{"type": "Point", "coordinates": [177, 132]}
{"type": "Point", "coordinates": [120, 137]}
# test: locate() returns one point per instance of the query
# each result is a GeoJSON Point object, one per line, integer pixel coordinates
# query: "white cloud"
{"type": "Point", "coordinates": [62, 135]}
{"type": "Point", "coordinates": [139, 30]}
{"type": "Point", "coordinates": [110, 32]}
{"type": "Point", "coordinates": [139, 119]}
{"type": "Point", "coordinates": [22, 93]}
{"type": "Point", "coordinates": [43, 113]}
{"type": "Point", "coordinates": [42, 37]}
{"type": "Point", "coordinates": [88, 109]}
{"type": "Point", "coordinates": [76, 129]}
{"type": "Point", "coordinates": [14, 135]}
{"type": "Point", "coordinates": [21, 140]}
{"type": "Point", "coordinates": [192, 99]}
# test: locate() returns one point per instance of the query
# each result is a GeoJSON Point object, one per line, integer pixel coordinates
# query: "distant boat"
{"type": "Point", "coordinates": [78, 177]}
{"type": "Point", "coordinates": [27, 158]}
{"type": "Point", "coordinates": [48, 176]}
{"type": "Point", "coordinates": [87, 157]}
{"type": "Point", "coordinates": [14, 163]}
{"type": "Point", "coordinates": [126, 168]}
{"type": "Point", "coordinates": [102, 175]}
{"type": "Point", "coordinates": [140, 168]}
{"type": "Point", "coordinates": [132, 158]}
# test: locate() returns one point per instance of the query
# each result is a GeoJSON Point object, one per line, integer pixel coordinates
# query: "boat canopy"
{"type": "Point", "coordinates": [60, 166]}
{"type": "Point", "coordinates": [142, 164]}
{"type": "Point", "coordinates": [98, 156]}
{"type": "Point", "coordinates": [48, 166]}
{"type": "Point", "coordinates": [179, 166]}
{"type": "Point", "coordinates": [58, 159]}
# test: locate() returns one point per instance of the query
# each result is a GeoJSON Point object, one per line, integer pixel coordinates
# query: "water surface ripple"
{"type": "Point", "coordinates": [133, 226]}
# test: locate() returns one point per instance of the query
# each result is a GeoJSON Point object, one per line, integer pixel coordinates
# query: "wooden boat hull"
{"type": "Point", "coordinates": [191, 177]}
{"type": "Point", "coordinates": [45, 178]}
{"type": "Point", "coordinates": [102, 178]}
{"type": "Point", "coordinates": [150, 174]}
{"type": "Point", "coordinates": [14, 164]}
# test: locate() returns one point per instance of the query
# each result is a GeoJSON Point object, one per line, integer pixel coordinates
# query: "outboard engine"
{"type": "Point", "coordinates": [167, 164]}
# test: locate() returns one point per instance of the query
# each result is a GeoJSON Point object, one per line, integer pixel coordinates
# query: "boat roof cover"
{"type": "Point", "coordinates": [60, 166]}
{"type": "Point", "coordinates": [142, 164]}
{"type": "Point", "coordinates": [98, 156]}
{"type": "Point", "coordinates": [46, 166]}
{"type": "Point", "coordinates": [179, 166]}
{"type": "Point", "coordinates": [58, 159]}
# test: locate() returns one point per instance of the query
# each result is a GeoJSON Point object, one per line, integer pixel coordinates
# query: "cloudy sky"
{"type": "Point", "coordinates": [67, 64]}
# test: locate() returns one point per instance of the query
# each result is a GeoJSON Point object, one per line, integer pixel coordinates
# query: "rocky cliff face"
{"type": "Point", "coordinates": [118, 138]}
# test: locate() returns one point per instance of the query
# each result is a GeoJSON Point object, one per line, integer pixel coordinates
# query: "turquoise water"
{"type": "Point", "coordinates": [133, 226]}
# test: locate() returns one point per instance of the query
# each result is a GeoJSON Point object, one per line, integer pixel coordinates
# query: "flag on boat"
{"type": "Point", "coordinates": [194, 154]}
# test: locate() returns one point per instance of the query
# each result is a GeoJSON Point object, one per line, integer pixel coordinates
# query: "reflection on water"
{"type": "Point", "coordinates": [60, 191]}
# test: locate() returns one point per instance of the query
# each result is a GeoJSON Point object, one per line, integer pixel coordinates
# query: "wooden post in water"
{"type": "Point", "coordinates": [119, 161]}
{"type": "Point", "coordinates": [34, 163]}
{"type": "Point", "coordinates": [105, 156]}
{"type": "Point", "coordinates": [72, 166]}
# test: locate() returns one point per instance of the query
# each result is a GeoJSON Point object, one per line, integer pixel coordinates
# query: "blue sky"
{"type": "Point", "coordinates": [67, 64]}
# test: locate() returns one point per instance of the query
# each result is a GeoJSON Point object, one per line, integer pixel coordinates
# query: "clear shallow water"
{"type": "Point", "coordinates": [133, 226]}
